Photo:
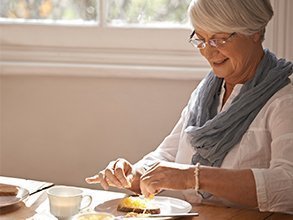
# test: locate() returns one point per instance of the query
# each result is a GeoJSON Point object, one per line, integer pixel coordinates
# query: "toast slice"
{"type": "Point", "coordinates": [138, 205]}
{"type": "Point", "coordinates": [8, 190]}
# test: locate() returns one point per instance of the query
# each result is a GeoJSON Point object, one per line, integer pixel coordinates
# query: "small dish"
{"type": "Point", "coordinates": [94, 216]}
{"type": "Point", "coordinates": [21, 195]}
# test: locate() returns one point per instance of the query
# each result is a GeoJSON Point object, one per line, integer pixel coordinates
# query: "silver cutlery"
{"type": "Point", "coordinates": [171, 215]}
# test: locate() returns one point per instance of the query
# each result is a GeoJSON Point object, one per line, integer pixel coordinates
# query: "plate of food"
{"type": "Point", "coordinates": [132, 206]}
{"type": "Point", "coordinates": [10, 194]}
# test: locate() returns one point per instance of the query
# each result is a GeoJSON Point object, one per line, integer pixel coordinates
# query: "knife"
{"type": "Point", "coordinates": [47, 186]}
{"type": "Point", "coordinates": [174, 215]}
{"type": "Point", "coordinates": [171, 215]}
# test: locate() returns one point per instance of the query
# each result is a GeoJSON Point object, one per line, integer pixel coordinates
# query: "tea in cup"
{"type": "Point", "coordinates": [66, 201]}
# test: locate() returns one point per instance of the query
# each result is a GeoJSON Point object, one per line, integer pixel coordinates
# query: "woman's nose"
{"type": "Point", "coordinates": [209, 51]}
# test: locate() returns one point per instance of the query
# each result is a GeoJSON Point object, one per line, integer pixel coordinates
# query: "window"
{"type": "Point", "coordinates": [131, 37]}
{"type": "Point", "coordinates": [114, 12]}
{"type": "Point", "coordinates": [155, 12]}
{"type": "Point", "coordinates": [49, 9]}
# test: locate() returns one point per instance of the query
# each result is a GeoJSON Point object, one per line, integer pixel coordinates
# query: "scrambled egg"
{"type": "Point", "coordinates": [135, 202]}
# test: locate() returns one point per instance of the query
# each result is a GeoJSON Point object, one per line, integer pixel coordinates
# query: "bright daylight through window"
{"type": "Point", "coordinates": [148, 38]}
{"type": "Point", "coordinates": [115, 12]}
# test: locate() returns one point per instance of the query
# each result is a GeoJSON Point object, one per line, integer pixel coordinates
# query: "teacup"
{"type": "Point", "coordinates": [66, 201]}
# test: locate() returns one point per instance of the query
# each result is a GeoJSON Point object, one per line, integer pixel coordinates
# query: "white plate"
{"type": "Point", "coordinates": [167, 205]}
{"type": "Point", "coordinates": [11, 200]}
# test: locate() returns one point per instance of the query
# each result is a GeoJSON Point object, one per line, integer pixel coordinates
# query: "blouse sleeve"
{"type": "Point", "coordinates": [274, 185]}
{"type": "Point", "coordinates": [167, 150]}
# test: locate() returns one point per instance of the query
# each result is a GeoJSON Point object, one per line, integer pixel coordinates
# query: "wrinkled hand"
{"type": "Point", "coordinates": [119, 173]}
{"type": "Point", "coordinates": [166, 176]}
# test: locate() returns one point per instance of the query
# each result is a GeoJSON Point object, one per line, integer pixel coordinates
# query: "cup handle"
{"type": "Point", "coordinates": [90, 198]}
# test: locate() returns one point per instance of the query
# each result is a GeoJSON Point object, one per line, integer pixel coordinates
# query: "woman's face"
{"type": "Point", "coordinates": [237, 59]}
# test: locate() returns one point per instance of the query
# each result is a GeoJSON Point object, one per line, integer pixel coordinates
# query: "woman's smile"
{"type": "Point", "coordinates": [219, 63]}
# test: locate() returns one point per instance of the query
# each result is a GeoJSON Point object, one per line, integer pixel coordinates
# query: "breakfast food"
{"type": "Point", "coordinates": [8, 190]}
{"type": "Point", "coordinates": [138, 204]}
{"type": "Point", "coordinates": [94, 216]}
{"type": "Point", "coordinates": [136, 215]}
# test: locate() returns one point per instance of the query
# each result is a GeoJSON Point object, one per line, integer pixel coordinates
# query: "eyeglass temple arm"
{"type": "Point", "coordinates": [192, 34]}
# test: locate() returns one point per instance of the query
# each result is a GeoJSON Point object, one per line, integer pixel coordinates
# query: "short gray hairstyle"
{"type": "Point", "coordinates": [241, 16]}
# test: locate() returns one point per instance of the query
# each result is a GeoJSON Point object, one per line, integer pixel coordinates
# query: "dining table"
{"type": "Point", "coordinates": [35, 205]}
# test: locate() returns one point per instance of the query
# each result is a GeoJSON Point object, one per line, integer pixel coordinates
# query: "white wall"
{"type": "Point", "coordinates": [280, 32]}
{"type": "Point", "coordinates": [63, 129]}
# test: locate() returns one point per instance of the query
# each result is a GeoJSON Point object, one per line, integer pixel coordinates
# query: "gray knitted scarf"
{"type": "Point", "coordinates": [214, 134]}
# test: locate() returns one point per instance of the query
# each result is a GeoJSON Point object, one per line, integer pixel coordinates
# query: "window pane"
{"type": "Point", "coordinates": [50, 9]}
{"type": "Point", "coordinates": [147, 11]}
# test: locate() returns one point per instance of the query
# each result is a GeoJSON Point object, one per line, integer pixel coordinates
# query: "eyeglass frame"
{"type": "Point", "coordinates": [211, 42]}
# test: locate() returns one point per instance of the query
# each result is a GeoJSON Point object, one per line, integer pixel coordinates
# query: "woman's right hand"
{"type": "Point", "coordinates": [119, 173]}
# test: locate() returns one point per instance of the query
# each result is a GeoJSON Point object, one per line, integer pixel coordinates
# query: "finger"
{"type": "Point", "coordinates": [150, 181]}
{"type": "Point", "coordinates": [121, 170]}
{"type": "Point", "coordinates": [120, 175]}
{"type": "Point", "coordinates": [104, 183]}
{"type": "Point", "coordinates": [130, 179]}
{"type": "Point", "coordinates": [92, 179]}
{"type": "Point", "coordinates": [111, 165]}
{"type": "Point", "coordinates": [144, 191]}
{"type": "Point", "coordinates": [144, 183]}
{"type": "Point", "coordinates": [112, 179]}
{"type": "Point", "coordinates": [154, 187]}
{"type": "Point", "coordinates": [150, 190]}
{"type": "Point", "coordinates": [110, 175]}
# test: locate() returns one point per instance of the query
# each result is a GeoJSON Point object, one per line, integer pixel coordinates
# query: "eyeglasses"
{"type": "Point", "coordinates": [201, 44]}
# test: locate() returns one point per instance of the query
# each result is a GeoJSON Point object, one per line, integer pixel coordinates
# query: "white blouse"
{"type": "Point", "coordinates": [266, 148]}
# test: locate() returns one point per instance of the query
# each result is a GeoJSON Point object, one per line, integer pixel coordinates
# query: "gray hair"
{"type": "Point", "coordinates": [242, 16]}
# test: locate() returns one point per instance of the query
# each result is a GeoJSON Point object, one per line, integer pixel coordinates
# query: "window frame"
{"type": "Point", "coordinates": [100, 50]}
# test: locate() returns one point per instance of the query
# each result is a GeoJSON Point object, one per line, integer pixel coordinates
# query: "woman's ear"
{"type": "Point", "coordinates": [256, 37]}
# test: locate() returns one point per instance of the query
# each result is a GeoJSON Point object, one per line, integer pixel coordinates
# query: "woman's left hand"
{"type": "Point", "coordinates": [169, 176]}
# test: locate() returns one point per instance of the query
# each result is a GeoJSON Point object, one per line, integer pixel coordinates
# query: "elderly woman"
{"type": "Point", "coordinates": [234, 141]}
